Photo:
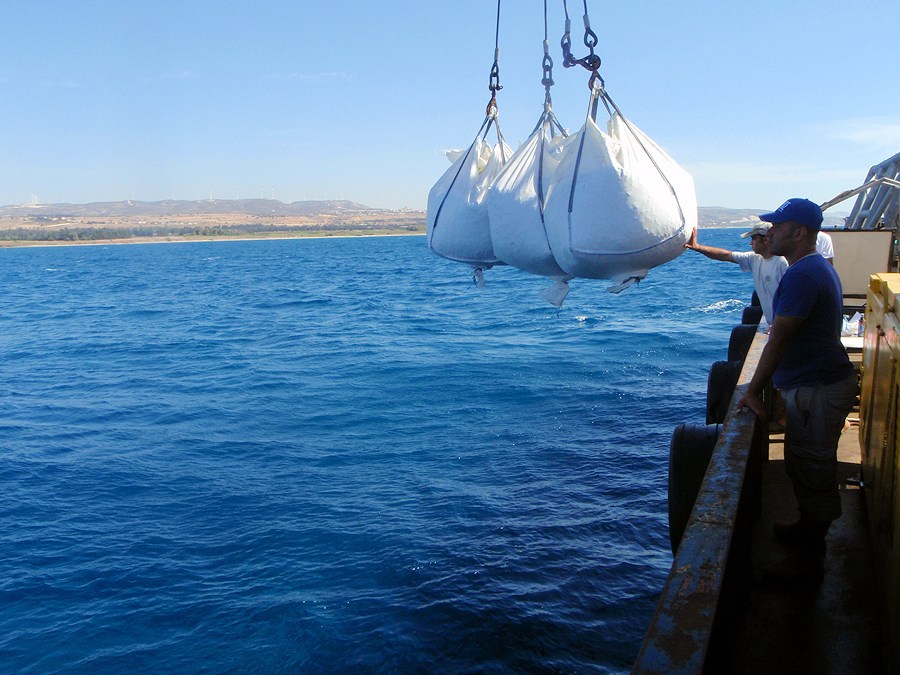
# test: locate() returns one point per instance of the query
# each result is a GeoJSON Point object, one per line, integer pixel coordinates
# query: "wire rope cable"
{"type": "Point", "coordinates": [490, 119]}
{"type": "Point", "coordinates": [597, 86]}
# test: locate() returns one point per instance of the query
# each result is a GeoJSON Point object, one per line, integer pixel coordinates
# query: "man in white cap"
{"type": "Point", "coordinates": [767, 269]}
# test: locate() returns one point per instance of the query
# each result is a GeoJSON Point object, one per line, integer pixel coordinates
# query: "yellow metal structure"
{"type": "Point", "coordinates": [880, 444]}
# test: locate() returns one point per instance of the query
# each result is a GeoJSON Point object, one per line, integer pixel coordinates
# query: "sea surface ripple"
{"type": "Point", "coordinates": [338, 455]}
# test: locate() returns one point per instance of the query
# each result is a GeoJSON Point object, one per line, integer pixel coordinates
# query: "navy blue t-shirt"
{"type": "Point", "coordinates": [811, 290]}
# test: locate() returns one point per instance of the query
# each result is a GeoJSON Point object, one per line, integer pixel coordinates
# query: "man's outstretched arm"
{"type": "Point", "coordinates": [708, 251]}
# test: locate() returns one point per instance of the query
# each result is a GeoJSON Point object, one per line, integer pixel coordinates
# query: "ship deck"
{"type": "Point", "coordinates": [829, 628]}
{"type": "Point", "coordinates": [724, 608]}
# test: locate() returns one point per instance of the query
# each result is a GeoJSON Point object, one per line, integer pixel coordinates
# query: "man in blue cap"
{"type": "Point", "coordinates": [805, 360]}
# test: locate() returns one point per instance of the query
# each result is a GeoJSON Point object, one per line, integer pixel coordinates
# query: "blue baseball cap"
{"type": "Point", "coordinates": [797, 210]}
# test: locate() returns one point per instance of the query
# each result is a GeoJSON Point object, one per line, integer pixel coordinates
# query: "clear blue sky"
{"type": "Point", "coordinates": [121, 99]}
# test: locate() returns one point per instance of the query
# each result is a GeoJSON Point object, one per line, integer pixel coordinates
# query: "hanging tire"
{"type": "Point", "coordinates": [752, 315]}
{"type": "Point", "coordinates": [723, 378]}
{"type": "Point", "coordinates": [689, 454]}
{"type": "Point", "coordinates": [740, 341]}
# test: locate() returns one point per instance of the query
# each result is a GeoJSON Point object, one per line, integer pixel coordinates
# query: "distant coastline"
{"type": "Point", "coordinates": [214, 220]}
{"type": "Point", "coordinates": [187, 239]}
{"type": "Point", "coordinates": [175, 221]}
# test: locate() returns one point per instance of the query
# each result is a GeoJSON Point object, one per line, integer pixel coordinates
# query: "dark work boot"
{"type": "Point", "coordinates": [805, 533]}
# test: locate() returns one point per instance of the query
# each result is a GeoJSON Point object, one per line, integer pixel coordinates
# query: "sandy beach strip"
{"type": "Point", "coordinates": [187, 239]}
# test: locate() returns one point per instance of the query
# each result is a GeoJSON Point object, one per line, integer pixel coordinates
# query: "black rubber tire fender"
{"type": "Point", "coordinates": [723, 378]}
{"type": "Point", "coordinates": [689, 454]}
{"type": "Point", "coordinates": [752, 315]}
{"type": "Point", "coordinates": [740, 341]}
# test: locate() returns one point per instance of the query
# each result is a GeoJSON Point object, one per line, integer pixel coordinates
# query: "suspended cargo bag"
{"type": "Point", "coordinates": [517, 197]}
{"type": "Point", "coordinates": [620, 206]}
{"type": "Point", "coordinates": [458, 227]}
{"type": "Point", "coordinates": [515, 203]}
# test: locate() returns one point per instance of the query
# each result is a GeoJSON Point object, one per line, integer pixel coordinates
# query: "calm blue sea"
{"type": "Point", "coordinates": [338, 455]}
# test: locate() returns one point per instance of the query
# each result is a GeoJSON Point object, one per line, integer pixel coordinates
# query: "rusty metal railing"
{"type": "Point", "coordinates": [713, 557]}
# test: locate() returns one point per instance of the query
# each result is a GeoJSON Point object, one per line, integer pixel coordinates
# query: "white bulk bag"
{"type": "Point", "coordinates": [620, 205]}
{"type": "Point", "coordinates": [457, 226]}
{"type": "Point", "coordinates": [516, 200]}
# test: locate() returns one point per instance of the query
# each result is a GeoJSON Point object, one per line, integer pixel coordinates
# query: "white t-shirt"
{"type": "Point", "coordinates": [766, 276]}
{"type": "Point", "coordinates": [824, 245]}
